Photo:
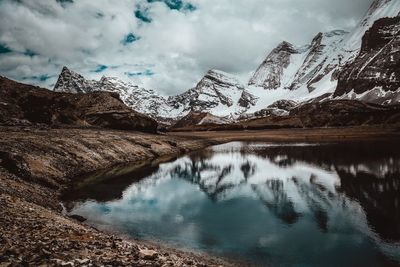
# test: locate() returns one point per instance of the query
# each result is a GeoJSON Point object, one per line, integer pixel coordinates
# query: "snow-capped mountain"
{"type": "Point", "coordinates": [72, 82]}
{"type": "Point", "coordinates": [374, 75]}
{"type": "Point", "coordinates": [362, 64]}
{"type": "Point", "coordinates": [379, 9]}
{"type": "Point", "coordinates": [312, 71]}
{"type": "Point", "coordinates": [140, 99]}
{"type": "Point", "coordinates": [218, 93]}
{"type": "Point", "coordinates": [289, 67]}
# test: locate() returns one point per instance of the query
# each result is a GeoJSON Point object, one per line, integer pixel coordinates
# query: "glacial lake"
{"type": "Point", "coordinates": [266, 204]}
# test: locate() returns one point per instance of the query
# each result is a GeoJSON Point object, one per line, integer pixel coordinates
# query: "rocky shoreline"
{"type": "Point", "coordinates": [38, 164]}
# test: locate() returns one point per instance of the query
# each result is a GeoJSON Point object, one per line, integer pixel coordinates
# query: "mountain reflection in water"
{"type": "Point", "coordinates": [271, 204]}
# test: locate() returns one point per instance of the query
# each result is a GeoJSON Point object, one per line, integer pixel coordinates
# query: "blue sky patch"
{"type": "Point", "coordinates": [142, 14]}
{"type": "Point", "coordinates": [4, 49]}
{"type": "Point", "coordinates": [30, 53]}
{"type": "Point", "coordinates": [41, 78]}
{"type": "Point", "coordinates": [176, 4]}
{"type": "Point", "coordinates": [100, 68]}
{"type": "Point", "coordinates": [189, 7]}
{"type": "Point", "coordinates": [130, 38]}
{"type": "Point", "coordinates": [140, 73]}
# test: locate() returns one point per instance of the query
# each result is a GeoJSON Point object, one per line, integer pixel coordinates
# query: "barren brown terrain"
{"type": "Point", "coordinates": [337, 134]}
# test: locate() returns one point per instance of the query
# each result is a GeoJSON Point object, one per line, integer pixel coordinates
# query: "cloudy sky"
{"type": "Point", "coordinates": [166, 45]}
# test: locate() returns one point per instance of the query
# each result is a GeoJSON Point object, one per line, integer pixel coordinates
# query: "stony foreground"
{"type": "Point", "coordinates": [31, 235]}
{"type": "Point", "coordinates": [38, 164]}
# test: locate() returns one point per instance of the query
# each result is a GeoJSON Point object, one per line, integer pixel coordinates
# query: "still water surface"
{"type": "Point", "coordinates": [269, 204]}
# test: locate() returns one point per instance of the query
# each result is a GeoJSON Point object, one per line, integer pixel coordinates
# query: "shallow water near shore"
{"type": "Point", "coordinates": [267, 204]}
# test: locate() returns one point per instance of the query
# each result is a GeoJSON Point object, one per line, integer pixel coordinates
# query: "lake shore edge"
{"type": "Point", "coordinates": [38, 164]}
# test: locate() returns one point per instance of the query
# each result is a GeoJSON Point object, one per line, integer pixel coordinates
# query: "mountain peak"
{"type": "Point", "coordinates": [378, 9]}
{"type": "Point", "coordinates": [66, 71]}
{"type": "Point", "coordinates": [71, 82]}
{"type": "Point", "coordinates": [218, 72]}
{"type": "Point", "coordinates": [270, 72]}
{"type": "Point", "coordinates": [291, 67]}
{"type": "Point", "coordinates": [286, 46]}
{"type": "Point", "coordinates": [221, 77]}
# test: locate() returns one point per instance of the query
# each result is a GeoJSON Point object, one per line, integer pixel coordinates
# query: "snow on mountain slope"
{"type": "Point", "coordinates": [140, 99]}
{"type": "Point", "coordinates": [312, 71]}
{"type": "Point", "coordinates": [379, 9]}
{"type": "Point", "coordinates": [290, 67]}
{"type": "Point", "coordinates": [218, 93]}
{"type": "Point", "coordinates": [72, 82]}
{"type": "Point", "coordinates": [298, 73]}
{"type": "Point", "coordinates": [374, 75]}
{"type": "Point", "coordinates": [276, 68]}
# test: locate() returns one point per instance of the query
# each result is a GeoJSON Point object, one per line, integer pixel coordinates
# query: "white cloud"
{"type": "Point", "coordinates": [177, 46]}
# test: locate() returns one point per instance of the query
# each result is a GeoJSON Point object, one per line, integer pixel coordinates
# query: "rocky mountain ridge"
{"type": "Point", "coordinates": [374, 75]}
{"type": "Point", "coordinates": [322, 70]}
{"type": "Point", "coordinates": [140, 99]}
{"type": "Point", "coordinates": [217, 92]}
{"type": "Point", "coordinates": [289, 67]}
{"type": "Point", "coordinates": [315, 70]}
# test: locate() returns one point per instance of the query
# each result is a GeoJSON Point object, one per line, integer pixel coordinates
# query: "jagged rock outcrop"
{"type": "Point", "coordinates": [139, 99]}
{"type": "Point", "coordinates": [24, 104]}
{"type": "Point", "coordinates": [323, 57]}
{"type": "Point", "coordinates": [199, 118]}
{"type": "Point", "coordinates": [374, 75]}
{"type": "Point", "coordinates": [218, 93]}
{"type": "Point", "coordinates": [286, 105]}
{"type": "Point", "coordinates": [247, 100]}
{"type": "Point", "coordinates": [278, 108]}
{"type": "Point", "coordinates": [270, 74]}
{"type": "Point", "coordinates": [378, 9]}
{"type": "Point", "coordinates": [313, 70]}
{"type": "Point", "coordinates": [72, 82]}
{"type": "Point", "coordinates": [290, 67]}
